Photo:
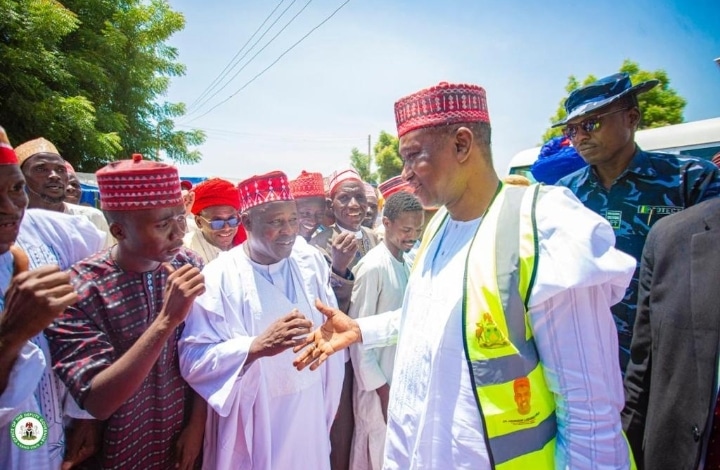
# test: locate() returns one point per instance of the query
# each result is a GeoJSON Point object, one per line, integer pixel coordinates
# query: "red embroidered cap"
{"type": "Point", "coordinates": [307, 185]}
{"type": "Point", "coordinates": [7, 154]}
{"type": "Point", "coordinates": [444, 104]}
{"type": "Point", "coordinates": [393, 185]}
{"type": "Point", "coordinates": [138, 184]}
{"type": "Point", "coordinates": [261, 189]}
{"type": "Point", "coordinates": [215, 192]}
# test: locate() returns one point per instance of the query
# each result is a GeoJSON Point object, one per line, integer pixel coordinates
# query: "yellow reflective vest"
{"type": "Point", "coordinates": [516, 407]}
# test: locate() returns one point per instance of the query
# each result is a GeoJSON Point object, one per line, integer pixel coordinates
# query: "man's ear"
{"type": "Point", "coordinates": [118, 231]}
{"type": "Point", "coordinates": [634, 117]}
{"type": "Point", "coordinates": [463, 142]}
{"type": "Point", "coordinates": [245, 220]}
{"type": "Point", "coordinates": [386, 222]}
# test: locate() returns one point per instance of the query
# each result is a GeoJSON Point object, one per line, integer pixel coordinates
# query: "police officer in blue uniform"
{"type": "Point", "coordinates": [631, 188]}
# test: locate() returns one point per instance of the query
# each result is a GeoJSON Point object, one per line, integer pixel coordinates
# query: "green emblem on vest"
{"type": "Point", "coordinates": [488, 334]}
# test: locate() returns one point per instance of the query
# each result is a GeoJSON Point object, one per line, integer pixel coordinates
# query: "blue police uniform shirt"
{"type": "Point", "coordinates": [653, 185]}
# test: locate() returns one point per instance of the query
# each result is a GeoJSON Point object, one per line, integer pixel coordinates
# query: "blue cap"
{"type": "Point", "coordinates": [601, 93]}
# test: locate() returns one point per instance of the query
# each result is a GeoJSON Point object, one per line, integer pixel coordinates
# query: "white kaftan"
{"type": "Point", "coordinates": [380, 281]}
{"type": "Point", "coordinates": [48, 238]}
{"type": "Point", "coordinates": [433, 421]}
{"type": "Point", "coordinates": [264, 415]}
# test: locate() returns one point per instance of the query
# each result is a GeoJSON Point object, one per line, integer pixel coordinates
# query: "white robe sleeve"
{"type": "Point", "coordinates": [580, 275]}
{"type": "Point", "coordinates": [363, 304]}
{"type": "Point", "coordinates": [72, 237]}
{"type": "Point", "coordinates": [24, 378]}
{"type": "Point", "coordinates": [380, 330]}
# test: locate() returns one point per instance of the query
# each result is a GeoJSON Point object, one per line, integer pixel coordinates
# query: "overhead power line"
{"type": "Point", "coordinates": [230, 64]}
{"type": "Point", "coordinates": [273, 63]}
{"type": "Point", "coordinates": [206, 100]}
{"type": "Point", "coordinates": [276, 136]}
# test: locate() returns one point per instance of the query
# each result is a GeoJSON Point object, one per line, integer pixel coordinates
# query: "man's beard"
{"type": "Point", "coordinates": [46, 198]}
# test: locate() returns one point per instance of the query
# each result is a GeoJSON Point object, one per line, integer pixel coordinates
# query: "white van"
{"type": "Point", "coordinates": [697, 138]}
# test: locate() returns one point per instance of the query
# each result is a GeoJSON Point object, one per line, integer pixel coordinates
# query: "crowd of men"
{"type": "Point", "coordinates": [443, 319]}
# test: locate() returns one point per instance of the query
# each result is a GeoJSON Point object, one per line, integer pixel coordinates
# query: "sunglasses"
{"type": "Point", "coordinates": [588, 125]}
{"type": "Point", "coordinates": [218, 224]}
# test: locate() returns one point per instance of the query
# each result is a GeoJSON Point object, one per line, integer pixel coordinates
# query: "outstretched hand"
{"type": "Point", "coordinates": [337, 333]}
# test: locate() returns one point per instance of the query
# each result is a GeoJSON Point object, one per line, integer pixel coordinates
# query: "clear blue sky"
{"type": "Point", "coordinates": [338, 86]}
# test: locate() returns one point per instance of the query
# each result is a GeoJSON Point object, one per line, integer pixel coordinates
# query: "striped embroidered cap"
{"type": "Point", "coordinates": [261, 189]}
{"type": "Point", "coordinates": [444, 104]}
{"type": "Point", "coordinates": [393, 185]}
{"type": "Point", "coordinates": [138, 184]}
{"type": "Point", "coordinates": [308, 185]}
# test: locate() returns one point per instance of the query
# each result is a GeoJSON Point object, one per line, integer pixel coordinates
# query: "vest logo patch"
{"type": "Point", "coordinates": [615, 218]}
{"type": "Point", "coordinates": [521, 387]}
{"type": "Point", "coordinates": [523, 400]}
{"type": "Point", "coordinates": [488, 334]}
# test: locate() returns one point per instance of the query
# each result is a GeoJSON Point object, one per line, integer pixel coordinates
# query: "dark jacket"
{"type": "Point", "coordinates": [670, 381]}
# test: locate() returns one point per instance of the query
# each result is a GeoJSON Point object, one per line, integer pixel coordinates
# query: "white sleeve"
{"type": "Point", "coordinates": [24, 379]}
{"type": "Point", "coordinates": [72, 237]}
{"type": "Point", "coordinates": [363, 304]}
{"type": "Point", "coordinates": [380, 330]}
{"type": "Point", "coordinates": [580, 275]}
{"type": "Point", "coordinates": [213, 353]}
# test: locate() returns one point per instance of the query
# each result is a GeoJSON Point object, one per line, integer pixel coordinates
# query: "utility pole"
{"type": "Point", "coordinates": [369, 156]}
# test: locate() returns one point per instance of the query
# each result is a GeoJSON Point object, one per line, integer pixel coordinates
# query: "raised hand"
{"type": "Point", "coordinates": [33, 300]}
{"type": "Point", "coordinates": [184, 284]}
{"type": "Point", "coordinates": [344, 247]}
{"type": "Point", "coordinates": [337, 333]}
{"type": "Point", "coordinates": [284, 333]}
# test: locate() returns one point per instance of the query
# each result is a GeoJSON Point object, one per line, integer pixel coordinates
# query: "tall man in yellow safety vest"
{"type": "Point", "coordinates": [506, 353]}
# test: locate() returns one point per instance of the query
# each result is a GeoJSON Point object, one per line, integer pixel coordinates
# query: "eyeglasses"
{"type": "Point", "coordinates": [218, 224]}
{"type": "Point", "coordinates": [588, 125]}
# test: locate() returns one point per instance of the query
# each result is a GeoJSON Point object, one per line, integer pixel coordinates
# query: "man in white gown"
{"type": "Point", "coordinates": [235, 351]}
{"type": "Point", "coordinates": [381, 277]}
{"type": "Point", "coordinates": [459, 399]}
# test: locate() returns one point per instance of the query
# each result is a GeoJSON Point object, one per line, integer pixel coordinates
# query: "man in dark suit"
{"type": "Point", "coordinates": [671, 416]}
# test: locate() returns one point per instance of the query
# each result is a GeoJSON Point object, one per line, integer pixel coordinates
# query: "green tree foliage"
{"type": "Point", "coordinates": [387, 156]}
{"type": "Point", "coordinates": [660, 106]}
{"type": "Point", "coordinates": [361, 163]}
{"type": "Point", "coordinates": [89, 76]}
{"type": "Point", "coordinates": [387, 159]}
